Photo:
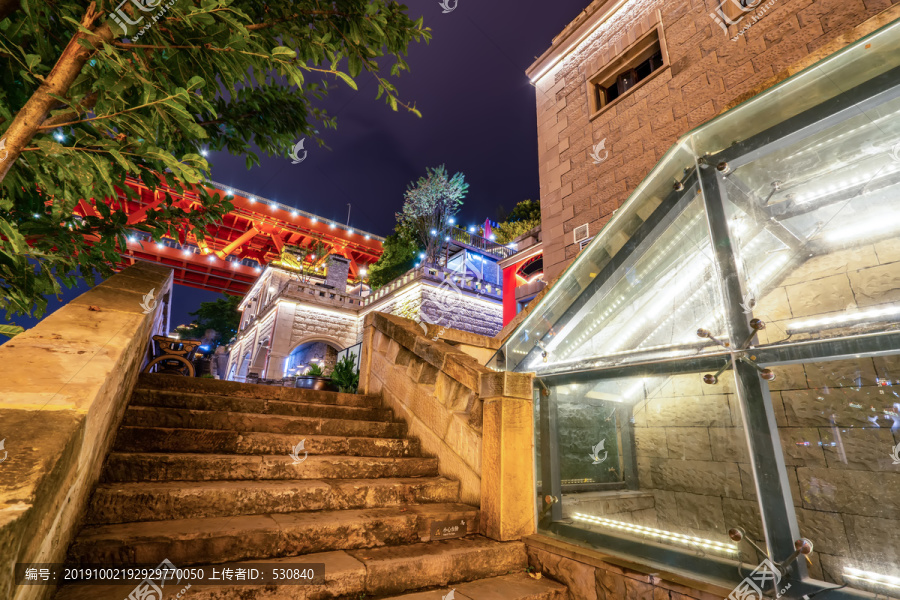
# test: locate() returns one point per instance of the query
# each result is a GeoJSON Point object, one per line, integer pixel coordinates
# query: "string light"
{"type": "Point", "coordinates": [844, 319]}
{"type": "Point", "coordinates": [870, 577]}
{"type": "Point", "coordinates": [659, 533]}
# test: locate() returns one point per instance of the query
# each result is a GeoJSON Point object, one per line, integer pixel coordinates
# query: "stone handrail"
{"type": "Point", "coordinates": [476, 421]}
{"type": "Point", "coordinates": [64, 386]}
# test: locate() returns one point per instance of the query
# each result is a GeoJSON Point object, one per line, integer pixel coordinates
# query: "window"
{"type": "Point", "coordinates": [635, 65]}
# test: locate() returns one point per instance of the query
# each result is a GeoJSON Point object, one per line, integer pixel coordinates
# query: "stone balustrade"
{"type": "Point", "coordinates": [478, 422]}
{"type": "Point", "coordinates": [65, 386]}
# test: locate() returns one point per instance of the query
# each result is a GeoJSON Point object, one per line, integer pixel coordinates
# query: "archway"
{"type": "Point", "coordinates": [305, 354]}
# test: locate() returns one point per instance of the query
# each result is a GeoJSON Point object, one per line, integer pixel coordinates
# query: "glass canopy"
{"type": "Point", "coordinates": [724, 354]}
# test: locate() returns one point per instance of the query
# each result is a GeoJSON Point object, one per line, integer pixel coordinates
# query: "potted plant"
{"type": "Point", "coordinates": [345, 376]}
{"type": "Point", "coordinates": [314, 379]}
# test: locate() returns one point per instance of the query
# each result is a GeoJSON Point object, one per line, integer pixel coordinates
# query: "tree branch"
{"type": "Point", "coordinates": [57, 83]}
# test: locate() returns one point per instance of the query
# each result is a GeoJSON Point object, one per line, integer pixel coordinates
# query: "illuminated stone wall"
{"type": "Point", "coordinates": [708, 73]}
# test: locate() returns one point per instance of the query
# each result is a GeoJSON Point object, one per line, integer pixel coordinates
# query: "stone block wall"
{"type": "Point", "coordinates": [462, 311]}
{"type": "Point", "coordinates": [693, 464]}
{"type": "Point", "coordinates": [707, 74]}
{"type": "Point", "coordinates": [340, 329]}
{"type": "Point", "coordinates": [63, 391]}
{"type": "Point", "coordinates": [591, 575]}
{"type": "Point", "coordinates": [839, 423]}
{"type": "Point", "coordinates": [857, 279]}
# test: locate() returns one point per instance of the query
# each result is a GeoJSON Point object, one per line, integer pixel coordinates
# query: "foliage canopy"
{"type": "Point", "coordinates": [429, 207]}
{"type": "Point", "coordinates": [221, 315]}
{"type": "Point", "coordinates": [91, 93]}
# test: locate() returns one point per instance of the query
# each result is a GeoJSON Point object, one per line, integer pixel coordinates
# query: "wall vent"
{"type": "Point", "coordinates": [581, 233]}
{"type": "Point", "coordinates": [584, 243]}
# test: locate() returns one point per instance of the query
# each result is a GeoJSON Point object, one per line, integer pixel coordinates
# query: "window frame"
{"type": "Point", "coordinates": [636, 53]}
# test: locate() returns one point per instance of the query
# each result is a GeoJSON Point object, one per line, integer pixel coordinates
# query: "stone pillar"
{"type": "Point", "coordinates": [365, 354]}
{"type": "Point", "coordinates": [338, 269]}
{"type": "Point", "coordinates": [507, 464]}
{"type": "Point", "coordinates": [280, 340]}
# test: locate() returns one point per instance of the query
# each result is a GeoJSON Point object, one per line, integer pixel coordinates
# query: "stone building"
{"type": "Point", "coordinates": [291, 319]}
{"type": "Point", "coordinates": [718, 356]}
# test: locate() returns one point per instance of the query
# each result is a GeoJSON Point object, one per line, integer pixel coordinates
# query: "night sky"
{"type": "Point", "coordinates": [478, 112]}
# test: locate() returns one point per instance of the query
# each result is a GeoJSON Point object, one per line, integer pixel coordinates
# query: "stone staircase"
{"type": "Point", "coordinates": [200, 474]}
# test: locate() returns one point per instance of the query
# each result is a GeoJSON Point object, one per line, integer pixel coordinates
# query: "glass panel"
{"type": "Point", "coordinates": [652, 306]}
{"type": "Point", "coordinates": [839, 423]}
{"type": "Point", "coordinates": [816, 225]}
{"type": "Point", "coordinates": [678, 446]}
{"type": "Point", "coordinates": [609, 246]}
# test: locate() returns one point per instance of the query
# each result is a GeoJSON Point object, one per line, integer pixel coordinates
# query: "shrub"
{"type": "Point", "coordinates": [345, 375]}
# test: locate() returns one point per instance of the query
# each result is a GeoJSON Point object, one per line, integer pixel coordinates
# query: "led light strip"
{"type": "Point", "coordinates": [844, 319]}
{"type": "Point", "coordinates": [869, 576]}
{"type": "Point", "coordinates": [665, 535]}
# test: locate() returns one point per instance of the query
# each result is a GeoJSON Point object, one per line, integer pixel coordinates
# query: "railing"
{"type": "Point", "coordinates": [479, 243]}
{"type": "Point", "coordinates": [290, 209]}
{"type": "Point", "coordinates": [355, 350]}
{"type": "Point", "coordinates": [492, 291]}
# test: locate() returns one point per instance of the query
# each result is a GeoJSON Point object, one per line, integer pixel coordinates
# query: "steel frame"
{"type": "Point", "coordinates": [774, 495]}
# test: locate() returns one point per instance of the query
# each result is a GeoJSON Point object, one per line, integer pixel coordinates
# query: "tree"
{"type": "Point", "coordinates": [430, 205]}
{"type": "Point", "coordinates": [222, 316]}
{"type": "Point", "coordinates": [400, 252]}
{"type": "Point", "coordinates": [92, 93]}
{"type": "Point", "coordinates": [525, 216]}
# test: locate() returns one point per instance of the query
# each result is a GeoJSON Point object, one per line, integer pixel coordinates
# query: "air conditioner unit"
{"type": "Point", "coordinates": [581, 233]}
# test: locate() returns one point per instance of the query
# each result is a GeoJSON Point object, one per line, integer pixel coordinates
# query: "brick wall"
{"type": "Point", "coordinates": [707, 74]}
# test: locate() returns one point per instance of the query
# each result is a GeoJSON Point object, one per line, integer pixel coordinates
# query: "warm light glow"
{"type": "Point", "coordinates": [659, 533]}
{"type": "Point", "coordinates": [294, 213]}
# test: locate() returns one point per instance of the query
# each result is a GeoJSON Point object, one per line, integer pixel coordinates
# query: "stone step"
{"type": "Point", "coordinates": [217, 387]}
{"type": "Point", "coordinates": [180, 399]}
{"type": "Point", "coordinates": [230, 539]}
{"type": "Point", "coordinates": [152, 416]}
{"type": "Point", "coordinates": [139, 466]}
{"type": "Point", "coordinates": [222, 441]}
{"type": "Point", "coordinates": [515, 586]}
{"type": "Point", "coordinates": [130, 502]}
{"type": "Point", "coordinates": [354, 574]}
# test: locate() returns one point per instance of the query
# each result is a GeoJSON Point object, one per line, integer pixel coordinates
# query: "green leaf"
{"type": "Point", "coordinates": [347, 79]}
{"type": "Point", "coordinates": [11, 330]}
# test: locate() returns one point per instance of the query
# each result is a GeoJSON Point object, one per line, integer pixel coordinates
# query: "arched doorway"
{"type": "Point", "coordinates": [305, 354]}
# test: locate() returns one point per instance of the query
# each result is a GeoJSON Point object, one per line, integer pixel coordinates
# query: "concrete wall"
{"type": "Point", "coordinates": [64, 386]}
{"type": "Point", "coordinates": [707, 74]}
{"type": "Point", "coordinates": [477, 422]}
